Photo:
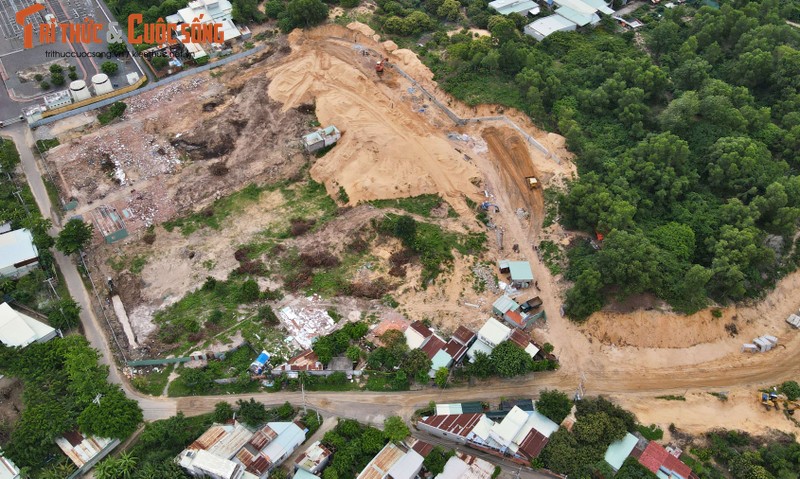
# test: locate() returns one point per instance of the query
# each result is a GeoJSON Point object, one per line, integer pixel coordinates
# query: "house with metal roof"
{"type": "Point", "coordinates": [618, 451]}
{"type": "Point", "coordinates": [523, 7]}
{"type": "Point", "coordinates": [453, 427]}
{"type": "Point", "coordinates": [569, 15]}
{"type": "Point", "coordinates": [465, 466]}
{"type": "Point", "coordinates": [417, 334]}
{"type": "Point", "coordinates": [85, 451]}
{"type": "Point", "coordinates": [320, 139]}
{"type": "Point", "coordinates": [313, 459]}
{"type": "Point", "coordinates": [664, 463]}
{"type": "Point", "coordinates": [379, 466]}
{"type": "Point", "coordinates": [472, 407]}
{"type": "Point", "coordinates": [303, 474]}
{"type": "Point", "coordinates": [269, 447]}
{"type": "Point", "coordinates": [18, 254]}
{"type": "Point", "coordinates": [8, 470]}
{"type": "Point", "coordinates": [464, 335]}
{"type": "Point", "coordinates": [19, 330]}
{"type": "Point", "coordinates": [204, 464]}
{"type": "Point", "coordinates": [407, 467]}
{"type": "Point", "coordinates": [504, 304]}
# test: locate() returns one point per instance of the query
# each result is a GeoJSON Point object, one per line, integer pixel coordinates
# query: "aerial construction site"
{"type": "Point", "coordinates": [174, 174]}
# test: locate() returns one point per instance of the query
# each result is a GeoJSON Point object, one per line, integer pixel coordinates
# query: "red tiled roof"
{"type": "Point", "coordinates": [420, 327]}
{"type": "Point", "coordinates": [533, 444]}
{"type": "Point", "coordinates": [455, 349]}
{"type": "Point", "coordinates": [433, 346]}
{"type": "Point", "coordinates": [514, 317]}
{"type": "Point", "coordinates": [520, 338]}
{"type": "Point", "coordinates": [463, 335]}
{"type": "Point", "coordinates": [654, 456]}
{"type": "Point", "coordinates": [423, 448]}
{"type": "Point", "coordinates": [459, 424]}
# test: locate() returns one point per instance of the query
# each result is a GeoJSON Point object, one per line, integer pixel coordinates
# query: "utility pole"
{"type": "Point", "coordinates": [303, 392]}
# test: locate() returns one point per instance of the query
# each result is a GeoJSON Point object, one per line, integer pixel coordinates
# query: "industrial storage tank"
{"type": "Point", "coordinates": [79, 90]}
{"type": "Point", "coordinates": [101, 84]}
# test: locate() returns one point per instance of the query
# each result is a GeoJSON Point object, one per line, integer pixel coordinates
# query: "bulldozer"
{"type": "Point", "coordinates": [790, 406]}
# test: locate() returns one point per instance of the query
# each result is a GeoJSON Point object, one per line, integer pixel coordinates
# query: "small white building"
{"type": "Point", "coordinates": [20, 330]}
{"type": "Point", "coordinates": [18, 254]}
{"type": "Point", "coordinates": [314, 459]}
{"type": "Point", "coordinates": [204, 464]}
{"type": "Point", "coordinates": [321, 138]}
{"type": "Point", "coordinates": [57, 99]}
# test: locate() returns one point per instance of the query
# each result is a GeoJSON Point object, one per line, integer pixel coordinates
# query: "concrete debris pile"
{"type": "Point", "coordinates": [159, 97]}
{"type": "Point", "coordinates": [484, 274]}
{"type": "Point", "coordinates": [305, 323]}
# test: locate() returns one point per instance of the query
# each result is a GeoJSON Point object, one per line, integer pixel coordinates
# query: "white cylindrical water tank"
{"type": "Point", "coordinates": [101, 84]}
{"type": "Point", "coordinates": [79, 90]}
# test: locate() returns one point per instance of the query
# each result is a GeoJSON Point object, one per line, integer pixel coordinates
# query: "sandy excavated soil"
{"type": "Point", "coordinates": [386, 150]}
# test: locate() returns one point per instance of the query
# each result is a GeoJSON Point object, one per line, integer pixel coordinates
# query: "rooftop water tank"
{"type": "Point", "coordinates": [79, 90]}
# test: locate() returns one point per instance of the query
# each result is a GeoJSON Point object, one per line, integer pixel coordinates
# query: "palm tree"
{"type": "Point", "coordinates": [126, 465]}
{"type": "Point", "coordinates": [106, 469]}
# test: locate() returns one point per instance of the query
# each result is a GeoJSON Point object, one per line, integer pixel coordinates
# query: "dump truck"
{"type": "Point", "coordinates": [533, 182]}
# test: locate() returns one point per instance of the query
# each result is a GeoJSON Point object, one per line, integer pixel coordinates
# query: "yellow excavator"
{"type": "Point", "coordinates": [772, 400]}
{"type": "Point", "coordinates": [790, 406]}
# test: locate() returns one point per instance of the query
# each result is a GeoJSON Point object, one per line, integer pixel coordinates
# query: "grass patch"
{"type": "Point", "coordinates": [192, 382]}
{"type": "Point", "coordinates": [672, 397]}
{"type": "Point", "coordinates": [434, 245]}
{"type": "Point", "coordinates": [721, 396]}
{"type": "Point", "coordinates": [418, 205]}
{"type": "Point", "coordinates": [137, 264]}
{"type": "Point", "coordinates": [52, 193]}
{"type": "Point", "coordinates": [552, 256]}
{"type": "Point", "coordinates": [194, 316]}
{"type": "Point", "coordinates": [651, 432]}
{"type": "Point", "coordinates": [46, 144]}
{"type": "Point", "coordinates": [552, 197]}
{"type": "Point", "coordinates": [212, 216]}
{"type": "Point", "coordinates": [152, 383]}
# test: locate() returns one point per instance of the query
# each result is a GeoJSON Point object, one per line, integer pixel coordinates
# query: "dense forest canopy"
{"type": "Point", "coordinates": [687, 138]}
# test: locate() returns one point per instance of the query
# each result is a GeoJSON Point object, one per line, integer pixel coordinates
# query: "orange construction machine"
{"type": "Point", "coordinates": [379, 65]}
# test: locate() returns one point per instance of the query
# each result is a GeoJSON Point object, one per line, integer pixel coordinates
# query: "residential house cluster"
{"type": "Point", "coordinates": [493, 332]}
{"type": "Point", "coordinates": [569, 15]}
{"type": "Point", "coordinates": [405, 461]}
{"type": "Point", "coordinates": [519, 436]}
{"type": "Point", "coordinates": [233, 451]}
{"type": "Point", "coordinates": [443, 354]}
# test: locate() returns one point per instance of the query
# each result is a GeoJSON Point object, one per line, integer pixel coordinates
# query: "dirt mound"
{"type": "Point", "coordinates": [362, 28]}
{"type": "Point", "coordinates": [386, 150]}
{"type": "Point", "coordinates": [412, 65]}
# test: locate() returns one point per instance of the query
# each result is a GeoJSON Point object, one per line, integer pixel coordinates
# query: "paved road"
{"type": "Point", "coordinates": [153, 408]}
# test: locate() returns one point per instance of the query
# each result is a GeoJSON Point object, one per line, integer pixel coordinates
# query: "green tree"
{"type": "Point", "coordinates": [586, 296]}
{"type": "Point", "coordinates": [159, 62]}
{"type": "Point", "coordinates": [196, 380]}
{"type": "Point", "coordinates": [118, 48]}
{"type": "Point", "coordinates": [75, 235]}
{"type": "Point", "coordinates": [109, 68]}
{"type": "Point", "coordinates": [480, 366]}
{"type": "Point", "coordinates": [116, 416]}
{"type": "Point", "coordinates": [554, 404]}
{"type": "Point", "coordinates": [56, 68]}
{"type": "Point", "coordinates": [304, 13]}
{"type": "Point", "coordinates": [415, 362]}
{"type": "Point", "coordinates": [223, 411]}
{"type": "Point", "coordinates": [252, 413]}
{"type": "Point", "coordinates": [57, 79]}
{"type": "Point", "coordinates": [395, 429]}
{"type": "Point", "coordinates": [249, 291]}
{"type": "Point", "coordinates": [442, 374]}
{"type": "Point", "coordinates": [510, 360]}
{"type": "Point", "coordinates": [353, 353]}
{"type": "Point", "coordinates": [449, 10]}
{"type": "Point", "coordinates": [436, 459]}
{"type": "Point", "coordinates": [64, 314]}
{"type": "Point", "coordinates": [406, 229]}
